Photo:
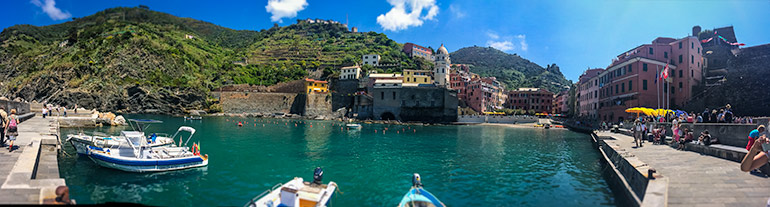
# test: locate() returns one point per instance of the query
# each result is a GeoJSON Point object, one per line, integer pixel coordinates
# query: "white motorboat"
{"type": "Point", "coordinates": [353, 126]}
{"type": "Point", "coordinates": [81, 141]}
{"type": "Point", "coordinates": [140, 157]}
{"type": "Point", "coordinates": [297, 193]}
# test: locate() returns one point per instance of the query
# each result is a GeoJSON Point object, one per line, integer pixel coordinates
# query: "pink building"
{"type": "Point", "coordinates": [560, 103]}
{"type": "Point", "coordinates": [537, 99]}
{"type": "Point", "coordinates": [588, 93]}
{"type": "Point", "coordinates": [483, 94]}
{"type": "Point", "coordinates": [416, 50]}
{"type": "Point", "coordinates": [631, 80]}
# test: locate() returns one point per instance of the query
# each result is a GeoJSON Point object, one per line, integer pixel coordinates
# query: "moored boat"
{"type": "Point", "coordinates": [81, 141]}
{"type": "Point", "coordinates": [353, 126]}
{"type": "Point", "coordinates": [140, 157]}
{"type": "Point", "coordinates": [297, 193]}
{"type": "Point", "coordinates": [417, 196]}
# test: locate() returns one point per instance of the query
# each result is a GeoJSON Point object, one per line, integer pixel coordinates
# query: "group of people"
{"type": "Point", "coordinates": [8, 127]}
{"type": "Point", "coordinates": [644, 128]}
{"type": "Point", "coordinates": [60, 110]}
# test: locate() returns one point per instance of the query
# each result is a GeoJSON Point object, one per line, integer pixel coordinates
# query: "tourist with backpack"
{"type": "Point", "coordinates": [12, 129]}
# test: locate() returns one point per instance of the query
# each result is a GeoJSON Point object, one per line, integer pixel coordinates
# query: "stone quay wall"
{"type": "Point", "coordinates": [728, 134]}
{"type": "Point", "coordinates": [496, 119]}
{"type": "Point", "coordinates": [261, 102]}
{"type": "Point", "coordinates": [21, 107]}
{"type": "Point", "coordinates": [269, 103]}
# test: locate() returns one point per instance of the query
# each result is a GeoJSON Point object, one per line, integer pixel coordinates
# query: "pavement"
{"type": "Point", "coordinates": [698, 180]}
{"type": "Point", "coordinates": [22, 181]}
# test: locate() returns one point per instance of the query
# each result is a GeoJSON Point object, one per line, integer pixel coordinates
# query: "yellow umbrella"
{"type": "Point", "coordinates": [635, 110]}
{"type": "Point", "coordinates": [648, 111]}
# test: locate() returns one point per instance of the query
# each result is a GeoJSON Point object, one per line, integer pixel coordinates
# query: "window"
{"type": "Point", "coordinates": [692, 73]}
{"type": "Point", "coordinates": [650, 50]}
{"type": "Point", "coordinates": [394, 95]}
{"type": "Point", "coordinates": [644, 85]}
{"type": "Point", "coordinates": [680, 73]}
{"type": "Point", "coordinates": [692, 45]}
{"type": "Point", "coordinates": [692, 59]}
{"type": "Point", "coordinates": [644, 67]}
{"type": "Point", "coordinates": [623, 87]}
{"type": "Point", "coordinates": [680, 45]}
{"type": "Point", "coordinates": [382, 95]}
{"type": "Point", "coordinates": [630, 83]}
{"type": "Point", "coordinates": [699, 50]}
{"type": "Point", "coordinates": [680, 58]}
{"type": "Point", "coordinates": [672, 90]}
{"type": "Point", "coordinates": [680, 86]}
{"type": "Point", "coordinates": [630, 68]}
{"type": "Point", "coordinates": [665, 55]}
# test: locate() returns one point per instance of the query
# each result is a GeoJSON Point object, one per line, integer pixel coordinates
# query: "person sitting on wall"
{"type": "Point", "coordinates": [688, 137]}
{"type": "Point", "coordinates": [754, 135]}
{"type": "Point", "coordinates": [757, 156]}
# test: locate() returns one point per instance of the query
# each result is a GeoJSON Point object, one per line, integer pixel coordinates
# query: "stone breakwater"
{"type": "Point", "coordinates": [267, 104]}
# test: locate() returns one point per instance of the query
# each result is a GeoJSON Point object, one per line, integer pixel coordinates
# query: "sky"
{"type": "Point", "coordinates": [575, 35]}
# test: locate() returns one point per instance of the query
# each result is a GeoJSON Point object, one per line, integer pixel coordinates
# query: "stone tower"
{"type": "Point", "coordinates": [442, 65]}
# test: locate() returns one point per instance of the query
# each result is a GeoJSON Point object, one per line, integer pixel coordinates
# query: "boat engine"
{"type": "Point", "coordinates": [318, 175]}
{"type": "Point", "coordinates": [416, 180]}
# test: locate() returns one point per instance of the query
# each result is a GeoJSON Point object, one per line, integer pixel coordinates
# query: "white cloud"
{"type": "Point", "coordinates": [493, 35]}
{"type": "Point", "coordinates": [49, 7]}
{"type": "Point", "coordinates": [522, 42]}
{"type": "Point", "coordinates": [407, 13]}
{"type": "Point", "coordinates": [501, 45]}
{"type": "Point", "coordinates": [505, 43]}
{"type": "Point", "coordinates": [284, 8]}
{"type": "Point", "coordinates": [457, 11]}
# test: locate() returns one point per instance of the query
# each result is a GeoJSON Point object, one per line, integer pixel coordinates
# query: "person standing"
{"type": "Point", "coordinates": [637, 133]}
{"type": "Point", "coordinates": [3, 125]}
{"type": "Point", "coordinates": [12, 128]}
{"type": "Point", "coordinates": [45, 111]}
{"type": "Point", "coordinates": [706, 115]}
{"type": "Point", "coordinates": [64, 110]}
{"type": "Point", "coordinates": [76, 108]}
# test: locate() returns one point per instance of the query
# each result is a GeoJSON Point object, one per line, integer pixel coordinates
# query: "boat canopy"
{"type": "Point", "coordinates": [187, 129]}
{"type": "Point", "coordinates": [142, 124]}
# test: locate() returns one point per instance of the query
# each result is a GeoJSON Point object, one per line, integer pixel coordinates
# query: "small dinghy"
{"type": "Point", "coordinates": [193, 118]}
{"type": "Point", "coordinates": [140, 157]}
{"type": "Point", "coordinates": [297, 193]}
{"type": "Point", "coordinates": [353, 126]}
{"type": "Point", "coordinates": [81, 141]}
{"type": "Point", "coordinates": [418, 197]}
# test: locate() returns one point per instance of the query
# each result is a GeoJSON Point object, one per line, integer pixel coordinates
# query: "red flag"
{"type": "Point", "coordinates": [664, 73]}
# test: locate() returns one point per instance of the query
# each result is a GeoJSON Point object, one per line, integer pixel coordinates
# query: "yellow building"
{"type": "Point", "coordinates": [316, 86]}
{"type": "Point", "coordinates": [417, 76]}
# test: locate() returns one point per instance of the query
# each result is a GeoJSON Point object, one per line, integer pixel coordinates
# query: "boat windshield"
{"type": "Point", "coordinates": [142, 124]}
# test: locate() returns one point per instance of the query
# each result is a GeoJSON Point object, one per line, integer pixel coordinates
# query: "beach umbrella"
{"type": "Point", "coordinates": [635, 110]}
{"type": "Point", "coordinates": [649, 112]}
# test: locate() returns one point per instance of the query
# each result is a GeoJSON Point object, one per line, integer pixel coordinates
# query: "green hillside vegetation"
{"type": "Point", "coordinates": [123, 57]}
{"type": "Point", "coordinates": [510, 69]}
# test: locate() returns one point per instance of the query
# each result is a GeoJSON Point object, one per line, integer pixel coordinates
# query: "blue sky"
{"type": "Point", "coordinates": [573, 34]}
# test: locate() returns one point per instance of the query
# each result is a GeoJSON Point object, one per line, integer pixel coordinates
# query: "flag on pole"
{"type": "Point", "coordinates": [664, 73]}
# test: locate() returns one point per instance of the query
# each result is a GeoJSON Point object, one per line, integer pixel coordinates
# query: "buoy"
{"type": "Point", "coordinates": [375, 131]}
{"type": "Point", "coordinates": [255, 124]}
{"type": "Point", "coordinates": [415, 130]}
{"type": "Point", "coordinates": [240, 124]}
{"type": "Point", "coordinates": [311, 126]}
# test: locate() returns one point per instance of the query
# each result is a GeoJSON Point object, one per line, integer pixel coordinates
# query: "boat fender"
{"type": "Point", "coordinates": [416, 180]}
{"type": "Point", "coordinates": [318, 175]}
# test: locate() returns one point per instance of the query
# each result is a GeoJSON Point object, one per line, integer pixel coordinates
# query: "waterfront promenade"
{"type": "Point", "coordinates": [30, 173]}
{"type": "Point", "coordinates": [695, 179]}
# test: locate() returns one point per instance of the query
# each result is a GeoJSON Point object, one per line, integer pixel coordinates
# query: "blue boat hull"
{"type": "Point", "coordinates": [144, 165]}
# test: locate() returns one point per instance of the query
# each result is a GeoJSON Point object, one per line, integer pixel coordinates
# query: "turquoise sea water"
{"type": "Point", "coordinates": [461, 165]}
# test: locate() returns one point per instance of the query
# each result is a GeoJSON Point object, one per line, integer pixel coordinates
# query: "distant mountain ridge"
{"type": "Point", "coordinates": [510, 69]}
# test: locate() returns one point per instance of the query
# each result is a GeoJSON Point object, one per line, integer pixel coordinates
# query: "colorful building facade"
{"type": "Point", "coordinates": [632, 80]}
{"type": "Point", "coordinates": [537, 99]}
{"type": "Point", "coordinates": [417, 77]}
{"type": "Point", "coordinates": [414, 50]}
{"type": "Point", "coordinates": [588, 93]}
{"type": "Point", "coordinates": [316, 86]}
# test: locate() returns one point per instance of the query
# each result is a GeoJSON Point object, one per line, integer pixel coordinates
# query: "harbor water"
{"type": "Point", "coordinates": [461, 165]}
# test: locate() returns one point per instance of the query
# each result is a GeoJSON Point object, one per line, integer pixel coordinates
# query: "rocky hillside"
{"type": "Point", "coordinates": [510, 69]}
{"type": "Point", "coordinates": [138, 60]}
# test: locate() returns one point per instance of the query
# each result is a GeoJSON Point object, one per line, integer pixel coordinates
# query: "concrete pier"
{"type": "Point", "coordinates": [30, 173]}
{"type": "Point", "coordinates": [693, 179]}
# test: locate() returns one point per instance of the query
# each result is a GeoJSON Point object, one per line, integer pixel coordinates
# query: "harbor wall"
{"type": "Point", "coordinates": [261, 102]}
{"type": "Point", "coordinates": [736, 135]}
{"type": "Point", "coordinates": [269, 103]}
{"type": "Point", "coordinates": [21, 107]}
{"type": "Point", "coordinates": [343, 93]}
{"type": "Point", "coordinates": [496, 119]}
{"type": "Point", "coordinates": [628, 175]}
